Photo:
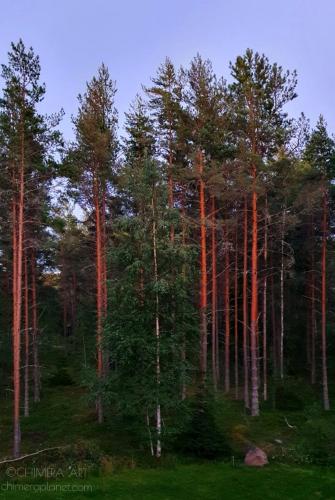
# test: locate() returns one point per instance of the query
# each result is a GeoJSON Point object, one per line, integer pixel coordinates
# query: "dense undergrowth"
{"type": "Point", "coordinates": [218, 429]}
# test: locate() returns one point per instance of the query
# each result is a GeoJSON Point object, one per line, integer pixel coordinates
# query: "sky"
{"type": "Point", "coordinates": [133, 37]}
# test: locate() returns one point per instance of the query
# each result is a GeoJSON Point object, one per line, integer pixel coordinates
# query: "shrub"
{"type": "Point", "coordinates": [61, 377]}
{"type": "Point", "coordinates": [317, 440]}
{"type": "Point", "coordinates": [288, 399]}
{"type": "Point", "coordinates": [201, 437]}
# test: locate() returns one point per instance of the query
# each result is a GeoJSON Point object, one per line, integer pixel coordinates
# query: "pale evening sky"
{"type": "Point", "coordinates": [133, 37]}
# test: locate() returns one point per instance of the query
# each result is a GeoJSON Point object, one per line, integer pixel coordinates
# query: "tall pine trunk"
{"type": "Point", "coordinates": [323, 303]}
{"type": "Point", "coordinates": [34, 330]}
{"type": "Point", "coordinates": [183, 348]}
{"type": "Point", "coordinates": [99, 295]}
{"type": "Point", "coordinates": [17, 303]}
{"type": "Point", "coordinates": [157, 335]}
{"type": "Point", "coordinates": [254, 304]}
{"type": "Point", "coordinates": [273, 323]}
{"type": "Point", "coordinates": [170, 179]}
{"type": "Point", "coordinates": [203, 272]}
{"type": "Point", "coordinates": [26, 337]}
{"type": "Point", "coordinates": [282, 269]}
{"type": "Point", "coordinates": [265, 283]}
{"type": "Point", "coordinates": [106, 361]}
{"type": "Point", "coordinates": [236, 314]}
{"type": "Point", "coordinates": [214, 299]}
{"type": "Point", "coordinates": [16, 341]}
{"type": "Point", "coordinates": [313, 312]}
{"type": "Point", "coordinates": [227, 313]}
{"type": "Point", "coordinates": [245, 305]}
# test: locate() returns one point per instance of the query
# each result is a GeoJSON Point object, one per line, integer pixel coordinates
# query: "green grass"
{"type": "Point", "coordinates": [198, 482]}
{"type": "Point", "coordinates": [64, 417]}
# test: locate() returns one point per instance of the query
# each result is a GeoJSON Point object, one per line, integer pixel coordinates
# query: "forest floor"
{"type": "Point", "coordinates": [293, 439]}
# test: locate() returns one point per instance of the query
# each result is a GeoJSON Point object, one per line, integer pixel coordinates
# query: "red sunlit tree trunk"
{"type": "Point", "coordinates": [26, 338]}
{"type": "Point", "coordinates": [99, 293]}
{"type": "Point", "coordinates": [245, 305]}
{"type": "Point", "coordinates": [18, 223]}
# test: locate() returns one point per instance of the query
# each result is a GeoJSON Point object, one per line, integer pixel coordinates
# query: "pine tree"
{"type": "Point", "coordinates": [320, 153]}
{"type": "Point", "coordinates": [203, 96]}
{"type": "Point", "coordinates": [27, 139]}
{"type": "Point", "coordinates": [165, 101]}
{"type": "Point", "coordinates": [257, 97]}
{"type": "Point", "coordinates": [94, 156]}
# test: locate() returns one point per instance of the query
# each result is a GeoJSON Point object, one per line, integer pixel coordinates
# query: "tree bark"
{"type": "Point", "coordinates": [36, 367]}
{"type": "Point", "coordinates": [323, 304]}
{"type": "Point", "coordinates": [313, 312]}
{"type": "Point", "coordinates": [236, 314]}
{"type": "Point", "coordinates": [170, 179]}
{"type": "Point", "coordinates": [265, 283]}
{"type": "Point", "coordinates": [203, 272]}
{"type": "Point", "coordinates": [273, 322]}
{"type": "Point", "coordinates": [214, 299]}
{"type": "Point", "coordinates": [245, 306]}
{"type": "Point", "coordinates": [282, 269]}
{"type": "Point", "coordinates": [183, 349]}
{"type": "Point", "coordinates": [17, 309]}
{"type": "Point", "coordinates": [254, 304]}
{"type": "Point", "coordinates": [99, 295]}
{"type": "Point", "coordinates": [157, 334]}
{"type": "Point", "coordinates": [106, 361]}
{"type": "Point", "coordinates": [26, 338]}
{"type": "Point", "coordinates": [227, 313]}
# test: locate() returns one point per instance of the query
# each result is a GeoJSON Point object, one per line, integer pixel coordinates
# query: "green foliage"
{"type": "Point", "coordinates": [132, 387]}
{"type": "Point", "coordinates": [203, 94]}
{"type": "Point", "coordinates": [150, 290]}
{"type": "Point", "coordinates": [320, 151]}
{"type": "Point", "coordinates": [286, 398]}
{"type": "Point", "coordinates": [257, 97]}
{"type": "Point", "coordinates": [316, 437]}
{"type": "Point", "coordinates": [201, 436]}
{"type": "Point", "coordinates": [61, 377]}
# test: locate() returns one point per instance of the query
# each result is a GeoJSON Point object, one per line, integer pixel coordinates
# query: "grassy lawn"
{"type": "Point", "coordinates": [198, 482]}
{"type": "Point", "coordinates": [63, 418]}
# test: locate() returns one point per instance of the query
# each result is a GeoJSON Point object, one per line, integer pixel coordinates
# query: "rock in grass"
{"type": "Point", "coordinates": [256, 457]}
